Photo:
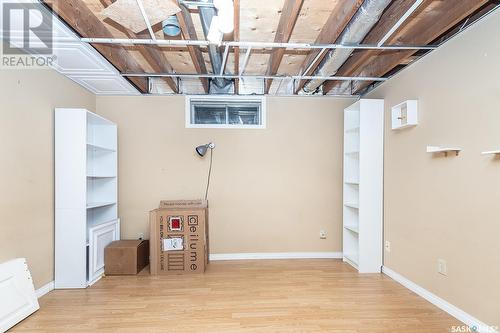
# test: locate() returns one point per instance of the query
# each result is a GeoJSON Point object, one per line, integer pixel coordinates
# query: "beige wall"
{"type": "Point", "coordinates": [28, 98]}
{"type": "Point", "coordinates": [437, 207]}
{"type": "Point", "coordinates": [272, 190]}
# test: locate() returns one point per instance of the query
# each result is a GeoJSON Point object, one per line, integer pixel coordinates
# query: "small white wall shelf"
{"type": "Point", "coordinates": [491, 152]}
{"type": "Point", "coordinates": [404, 114]}
{"type": "Point", "coordinates": [444, 149]}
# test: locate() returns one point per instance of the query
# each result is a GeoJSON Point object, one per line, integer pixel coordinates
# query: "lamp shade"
{"type": "Point", "coordinates": [202, 150]}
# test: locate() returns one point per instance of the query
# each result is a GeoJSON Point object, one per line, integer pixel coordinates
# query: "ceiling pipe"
{"type": "Point", "coordinates": [363, 21]}
{"type": "Point", "coordinates": [220, 85]}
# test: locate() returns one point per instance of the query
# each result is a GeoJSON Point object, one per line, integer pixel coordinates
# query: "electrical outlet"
{"type": "Point", "coordinates": [442, 268]}
{"type": "Point", "coordinates": [387, 246]}
{"type": "Point", "coordinates": [140, 235]}
{"type": "Point", "coordinates": [322, 234]}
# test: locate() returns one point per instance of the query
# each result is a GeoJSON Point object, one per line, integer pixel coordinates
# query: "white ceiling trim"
{"type": "Point", "coordinates": [76, 60]}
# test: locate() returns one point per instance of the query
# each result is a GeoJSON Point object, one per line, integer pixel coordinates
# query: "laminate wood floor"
{"type": "Point", "coordinates": [242, 296]}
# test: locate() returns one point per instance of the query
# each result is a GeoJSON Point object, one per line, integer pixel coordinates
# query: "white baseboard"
{"type": "Point", "coordinates": [44, 289]}
{"type": "Point", "coordinates": [461, 315]}
{"type": "Point", "coordinates": [275, 255]}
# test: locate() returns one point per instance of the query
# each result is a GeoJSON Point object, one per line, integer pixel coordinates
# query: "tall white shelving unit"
{"type": "Point", "coordinates": [363, 184]}
{"type": "Point", "coordinates": [86, 195]}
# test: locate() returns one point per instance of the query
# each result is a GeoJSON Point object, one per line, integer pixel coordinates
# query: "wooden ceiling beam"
{"type": "Point", "coordinates": [81, 18]}
{"type": "Point", "coordinates": [340, 16]}
{"type": "Point", "coordinates": [429, 26]}
{"type": "Point", "coordinates": [388, 19]}
{"type": "Point", "coordinates": [189, 33]}
{"type": "Point", "coordinates": [155, 58]}
{"type": "Point", "coordinates": [152, 54]}
{"type": "Point", "coordinates": [469, 20]}
{"type": "Point", "coordinates": [289, 14]}
{"type": "Point", "coordinates": [267, 51]}
{"type": "Point", "coordinates": [236, 37]}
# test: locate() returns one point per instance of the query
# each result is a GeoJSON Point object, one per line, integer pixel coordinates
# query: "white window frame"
{"type": "Point", "coordinates": [260, 99]}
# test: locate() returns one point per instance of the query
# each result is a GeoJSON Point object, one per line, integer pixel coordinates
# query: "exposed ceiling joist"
{"type": "Point", "coordinates": [388, 19]}
{"type": "Point", "coordinates": [189, 33]}
{"type": "Point", "coordinates": [153, 55]}
{"type": "Point", "coordinates": [471, 19]}
{"type": "Point", "coordinates": [139, 15]}
{"type": "Point", "coordinates": [446, 14]}
{"type": "Point", "coordinates": [409, 28]}
{"type": "Point", "coordinates": [288, 18]}
{"type": "Point", "coordinates": [156, 59]}
{"type": "Point", "coordinates": [263, 45]}
{"type": "Point", "coordinates": [236, 37]}
{"type": "Point", "coordinates": [81, 18]}
{"type": "Point", "coordinates": [252, 76]}
{"type": "Point", "coordinates": [337, 21]}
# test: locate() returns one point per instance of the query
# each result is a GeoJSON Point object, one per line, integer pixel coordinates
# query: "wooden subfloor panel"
{"type": "Point", "coordinates": [242, 296]}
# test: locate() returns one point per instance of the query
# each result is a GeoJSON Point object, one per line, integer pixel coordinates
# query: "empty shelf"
{"type": "Point", "coordinates": [355, 152]}
{"type": "Point", "coordinates": [91, 205]}
{"type": "Point", "coordinates": [95, 176]}
{"type": "Point", "coordinates": [437, 149]}
{"type": "Point", "coordinates": [352, 130]}
{"type": "Point", "coordinates": [101, 148]}
{"type": "Point", "coordinates": [491, 152]}
{"type": "Point", "coordinates": [352, 182]}
{"type": "Point", "coordinates": [352, 205]}
{"type": "Point", "coordinates": [351, 258]}
{"type": "Point", "coordinates": [352, 228]}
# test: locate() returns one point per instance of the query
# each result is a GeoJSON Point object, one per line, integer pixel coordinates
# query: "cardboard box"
{"type": "Point", "coordinates": [126, 257]}
{"type": "Point", "coordinates": [179, 237]}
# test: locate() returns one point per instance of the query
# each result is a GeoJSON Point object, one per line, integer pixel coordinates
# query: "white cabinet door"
{"type": "Point", "coordinates": [99, 237]}
{"type": "Point", "coordinates": [17, 294]}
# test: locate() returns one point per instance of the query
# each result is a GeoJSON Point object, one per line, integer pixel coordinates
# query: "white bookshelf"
{"type": "Point", "coordinates": [86, 195]}
{"type": "Point", "coordinates": [363, 185]}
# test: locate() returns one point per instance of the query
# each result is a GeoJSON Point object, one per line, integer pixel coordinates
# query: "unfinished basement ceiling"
{"type": "Point", "coordinates": [428, 23]}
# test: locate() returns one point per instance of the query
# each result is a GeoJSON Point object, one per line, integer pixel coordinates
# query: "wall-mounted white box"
{"type": "Point", "coordinates": [404, 114]}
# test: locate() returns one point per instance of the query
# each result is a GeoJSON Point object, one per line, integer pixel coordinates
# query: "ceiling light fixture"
{"type": "Point", "coordinates": [225, 12]}
{"type": "Point", "coordinates": [214, 34]}
{"type": "Point", "coordinates": [223, 22]}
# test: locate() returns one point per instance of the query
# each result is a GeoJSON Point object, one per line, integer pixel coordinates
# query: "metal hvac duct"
{"type": "Point", "coordinates": [220, 85]}
{"type": "Point", "coordinates": [365, 18]}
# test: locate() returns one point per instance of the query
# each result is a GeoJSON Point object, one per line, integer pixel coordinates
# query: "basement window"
{"type": "Point", "coordinates": [228, 112]}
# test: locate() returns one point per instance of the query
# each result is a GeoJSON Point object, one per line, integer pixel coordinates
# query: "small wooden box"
{"type": "Point", "coordinates": [126, 257]}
